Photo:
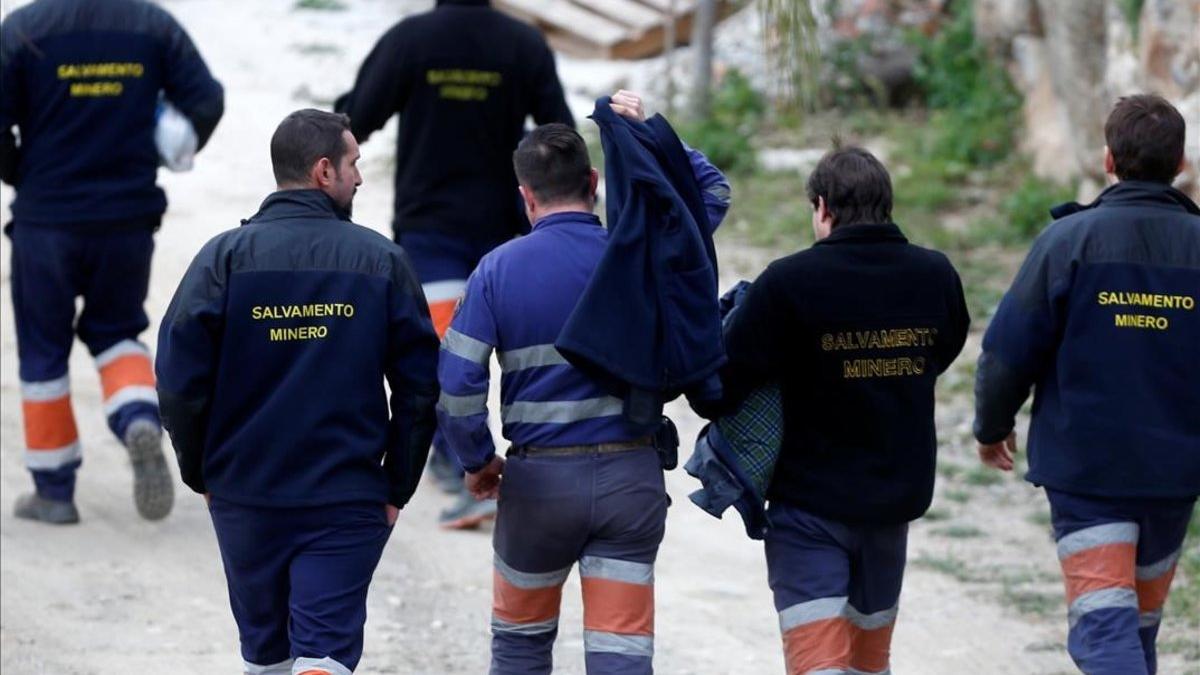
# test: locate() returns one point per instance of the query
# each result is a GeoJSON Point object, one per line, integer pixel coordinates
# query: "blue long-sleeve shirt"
{"type": "Point", "coordinates": [515, 304]}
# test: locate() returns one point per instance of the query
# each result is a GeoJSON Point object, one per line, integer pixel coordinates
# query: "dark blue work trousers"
{"type": "Point", "coordinates": [605, 511]}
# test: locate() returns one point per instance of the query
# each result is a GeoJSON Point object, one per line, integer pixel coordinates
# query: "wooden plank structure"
{"type": "Point", "coordinates": [610, 29]}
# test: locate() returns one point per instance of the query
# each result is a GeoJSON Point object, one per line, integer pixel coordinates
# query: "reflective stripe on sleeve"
{"type": "Point", "coordinates": [463, 406]}
{"type": "Point", "coordinates": [466, 347]}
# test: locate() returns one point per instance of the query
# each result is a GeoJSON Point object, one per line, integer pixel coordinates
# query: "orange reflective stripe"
{"type": "Point", "coordinates": [1100, 567]}
{"type": "Point", "coordinates": [131, 370]}
{"type": "Point", "coordinates": [871, 649]}
{"type": "Point", "coordinates": [442, 312]}
{"type": "Point", "coordinates": [49, 425]}
{"type": "Point", "coordinates": [1152, 593]}
{"type": "Point", "coordinates": [523, 605]}
{"type": "Point", "coordinates": [823, 644]}
{"type": "Point", "coordinates": [618, 606]}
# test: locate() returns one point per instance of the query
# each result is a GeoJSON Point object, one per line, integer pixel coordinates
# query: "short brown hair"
{"type": "Point", "coordinates": [855, 186]}
{"type": "Point", "coordinates": [553, 162]}
{"type": "Point", "coordinates": [302, 139]}
{"type": "Point", "coordinates": [1145, 135]}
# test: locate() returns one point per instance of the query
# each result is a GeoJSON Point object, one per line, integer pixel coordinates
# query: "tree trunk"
{"type": "Point", "coordinates": [702, 43]}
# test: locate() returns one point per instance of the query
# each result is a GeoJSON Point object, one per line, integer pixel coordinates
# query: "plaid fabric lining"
{"type": "Point", "coordinates": [755, 435]}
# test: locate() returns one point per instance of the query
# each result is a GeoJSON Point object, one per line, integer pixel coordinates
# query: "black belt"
{"type": "Point", "coordinates": [594, 448]}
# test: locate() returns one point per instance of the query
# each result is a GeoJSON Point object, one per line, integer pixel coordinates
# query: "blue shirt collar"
{"type": "Point", "coordinates": [578, 217]}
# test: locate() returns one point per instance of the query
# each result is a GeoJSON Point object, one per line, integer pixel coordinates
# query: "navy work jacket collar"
{"type": "Point", "coordinates": [864, 234]}
{"type": "Point", "coordinates": [1133, 193]}
{"type": "Point", "coordinates": [578, 217]}
{"type": "Point", "coordinates": [309, 203]}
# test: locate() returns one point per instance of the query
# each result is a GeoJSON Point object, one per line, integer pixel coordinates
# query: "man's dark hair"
{"type": "Point", "coordinates": [1145, 134]}
{"type": "Point", "coordinates": [855, 186]}
{"type": "Point", "coordinates": [302, 139]}
{"type": "Point", "coordinates": [553, 162]}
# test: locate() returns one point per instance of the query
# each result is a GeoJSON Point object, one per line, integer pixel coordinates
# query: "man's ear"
{"type": "Point", "coordinates": [323, 172]}
{"type": "Point", "coordinates": [593, 182]}
{"type": "Point", "coordinates": [1110, 164]}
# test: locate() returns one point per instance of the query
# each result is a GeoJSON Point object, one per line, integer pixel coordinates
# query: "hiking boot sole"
{"type": "Point", "coordinates": [153, 489]}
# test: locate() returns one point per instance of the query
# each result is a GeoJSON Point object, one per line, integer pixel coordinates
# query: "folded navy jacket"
{"type": "Point", "coordinates": [735, 456]}
{"type": "Point", "coordinates": [647, 327]}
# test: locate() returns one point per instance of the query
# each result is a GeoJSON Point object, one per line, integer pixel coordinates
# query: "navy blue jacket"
{"type": "Point", "coordinates": [463, 77]}
{"type": "Point", "coordinates": [658, 273]}
{"type": "Point", "coordinates": [1102, 322]}
{"type": "Point", "coordinates": [273, 354]}
{"type": "Point", "coordinates": [81, 80]}
{"type": "Point", "coordinates": [856, 331]}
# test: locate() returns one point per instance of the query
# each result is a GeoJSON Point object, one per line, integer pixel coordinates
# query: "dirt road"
{"type": "Point", "coordinates": [116, 594]}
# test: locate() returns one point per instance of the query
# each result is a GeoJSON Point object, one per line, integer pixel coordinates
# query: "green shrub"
{"type": "Point", "coordinates": [975, 104]}
{"type": "Point", "coordinates": [1026, 210]}
{"type": "Point", "coordinates": [735, 117]}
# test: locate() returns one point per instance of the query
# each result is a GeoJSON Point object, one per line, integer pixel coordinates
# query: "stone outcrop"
{"type": "Point", "coordinates": [1073, 58]}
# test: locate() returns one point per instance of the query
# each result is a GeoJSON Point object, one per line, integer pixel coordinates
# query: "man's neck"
{"type": "Point", "coordinates": [567, 207]}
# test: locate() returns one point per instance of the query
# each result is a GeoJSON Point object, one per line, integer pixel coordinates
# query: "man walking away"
{"type": "Point", "coordinates": [271, 362]}
{"type": "Point", "coordinates": [1102, 322]}
{"type": "Point", "coordinates": [581, 483]}
{"type": "Point", "coordinates": [81, 81]}
{"type": "Point", "coordinates": [463, 77]}
{"type": "Point", "coordinates": [856, 330]}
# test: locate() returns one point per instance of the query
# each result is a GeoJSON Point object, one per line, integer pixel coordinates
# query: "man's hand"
{"type": "Point", "coordinates": [485, 483]}
{"type": "Point", "coordinates": [999, 455]}
{"type": "Point", "coordinates": [628, 104]}
{"type": "Point", "coordinates": [393, 512]}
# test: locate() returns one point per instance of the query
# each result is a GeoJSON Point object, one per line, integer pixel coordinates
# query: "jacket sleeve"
{"type": "Point", "coordinates": [412, 376]}
{"type": "Point", "coordinates": [549, 101]}
{"type": "Point", "coordinates": [463, 374]}
{"type": "Point", "coordinates": [189, 347]}
{"type": "Point", "coordinates": [188, 84]}
{"type": "Point", "coordinates": [752, 346]}
{"type": "Point", "coordinates": [10, 94]}
{"type": "Point", "coordinates": [714, 186]}
{"type": "Point", "coordinates": [1020, 343]}
{"type": "Point", "coordinates": [380, 89]}
{"type": "Point", "coordinates": [950, 345]}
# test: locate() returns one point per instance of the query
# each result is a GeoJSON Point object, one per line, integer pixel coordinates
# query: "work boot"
{"type": "Point", "coordinates": [466, 513]}
{"type": "Point", "coordinates": [153, 491]}
{"type": "Point", "coordinates": [33, 506]}
{"type": "Point", "coordinates": [445, 472]}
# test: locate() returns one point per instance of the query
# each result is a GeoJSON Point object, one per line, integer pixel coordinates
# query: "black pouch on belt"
{"type": "Point", "coordinates": [666, 442]}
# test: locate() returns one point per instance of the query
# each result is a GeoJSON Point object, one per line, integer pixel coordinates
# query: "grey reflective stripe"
{"type": "Point", "coordinates": [871, 621]}
{"type": "Point", "coordinates": [855, 671]}
{"type": "Point", "coordinates": [475, 351]}
{"type": "Point", "coordinates": [463, 406]}
{"type": "Point", "coordinates": [630, 645]}
{"type": "Point", "coordinates": [617, 570]}
{"type": "Point", "coordinates": [281, 668]}
{"type": "Point", "coordinates": [560, 412]}
{"type": "Point", "coordinates": [1100, 535]}
{"type": "Point", "coordinates": [305, 663]}
{"type": "Point", "coordinates": [813, 610]}
{"type": "Point", "coordinates": [530, 357]}
{"type": "Point", "coordinates": [720, 191]}
{"type": "Point", "coordinates": [1148, 619]}
{"type": "Point", "coordinates": [501, 626]}
{"type": "Point", "coordinates": [530, 579]}
{"type": "Point", "coordinates": [1105, 598]}
{"type": "Point", "coordinates": [48, 390]}
{"type": "Point", "coordinates": [1156, 570]}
